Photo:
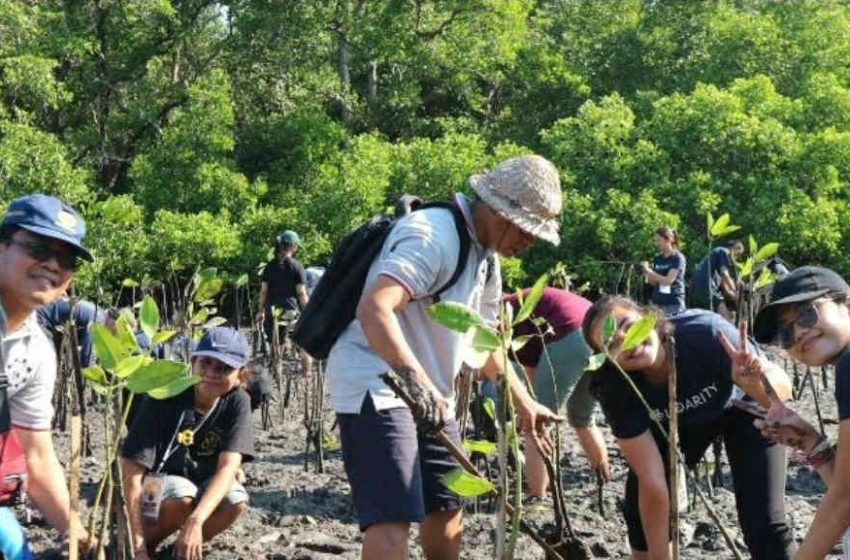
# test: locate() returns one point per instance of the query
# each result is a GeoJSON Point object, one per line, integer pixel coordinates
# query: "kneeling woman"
{"type": "Point", "coordinates": [711, 371]}
{"type": "Point", "coordinates": [182, 455]}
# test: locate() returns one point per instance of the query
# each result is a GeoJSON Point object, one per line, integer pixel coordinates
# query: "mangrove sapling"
{"type": "Point", "coordinates": [754, 265]}
{"type": "Point", "coordinates": [124, 367]}
{"type": "Point", "coordinates": [715, 230]}
{"type": "Point", "coordinates": [637, 333]}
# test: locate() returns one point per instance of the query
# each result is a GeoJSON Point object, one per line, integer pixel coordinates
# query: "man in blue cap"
{"type": "Point", "coordinates": [182, 455]}
{"type": "Point", "coordinates": [41, 243]}
{"type": "Point", "coordinates": [283, 286]}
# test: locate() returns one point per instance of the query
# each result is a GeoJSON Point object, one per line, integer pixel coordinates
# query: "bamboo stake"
{"type": "Point", "coordinates": [673, 444]}
{"type": "Point", "coordinates": [74, 487]}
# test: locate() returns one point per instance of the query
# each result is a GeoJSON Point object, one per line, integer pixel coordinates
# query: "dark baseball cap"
{"type": "Point", "coordinates": [288, 237]}
{"type": "Point", "coordinates": [225, 345]}
{"type": "Point", "coordinates": [49, 217]}
{"type": "Point", "coordinates": [802, 284]}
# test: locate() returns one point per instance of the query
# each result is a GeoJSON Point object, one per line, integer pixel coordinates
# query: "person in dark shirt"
{"type": "Point", "coordinates": [667, 273]}
{"type": "Point", "coordinates": [717, 291]}
{"type": "Point", "coordinates": [283, 286]}
{"type": "Point", "coordinates": [187, 450]}
{"type": "Point", "coordinates": [809, 316]}
{"type": "Point", "coordinates": [85, 313]}
{"type": "Point", "coordinates": [714, 363]}
{"type": "Point", "coordinates": [554, 358]}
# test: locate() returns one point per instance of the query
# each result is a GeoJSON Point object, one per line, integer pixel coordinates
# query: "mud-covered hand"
{"type": "Point", "coordinates": [428, 408]}
{"type": "Point", "coordinates": [785, 426]}
{"type": "Point", "coordinates": [533, 420]}
{"type": "Point", "coordinates": [190, 543]}
{"type": "Point", "coordinates": [748, 368]}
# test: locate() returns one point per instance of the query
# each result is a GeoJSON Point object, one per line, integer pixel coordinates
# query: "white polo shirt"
{"type": "Point", "coordinates": [421, 254]}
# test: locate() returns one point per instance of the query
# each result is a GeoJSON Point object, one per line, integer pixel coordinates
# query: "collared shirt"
{"type": "Point", "coordinates": [421, 254]}
{"type": "Point", "coordinates": [31, 373]}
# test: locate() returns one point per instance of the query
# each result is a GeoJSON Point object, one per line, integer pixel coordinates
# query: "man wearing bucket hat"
{"type": "Point", "coordinates": [809, 316]}
{"type": "Point", "coordinates": [182, 455]}
{"type": "Point", "coordinates": [41, 243]}
{"type": "Point", "coordinates": [394, 467]}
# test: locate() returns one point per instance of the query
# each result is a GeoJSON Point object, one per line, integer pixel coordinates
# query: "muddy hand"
{"type": "Point", "coordinates": [534, 421]}
{"type": "Point", "coordinates": [785, 426]}
{"type": "Point", "coordinates": [430, 411]}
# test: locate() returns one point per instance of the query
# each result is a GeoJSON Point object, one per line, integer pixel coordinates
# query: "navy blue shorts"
{"type": "Point", "coordinates": [394, 470]}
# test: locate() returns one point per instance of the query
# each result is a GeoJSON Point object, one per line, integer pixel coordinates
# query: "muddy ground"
{"type": "Point", "coordinates": [298, 514]}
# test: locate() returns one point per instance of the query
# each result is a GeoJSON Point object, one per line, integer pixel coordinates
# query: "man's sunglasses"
{"type": "Point", "coordinates": [807, 317]}
{"type": "Point", "coordinates": [42, 252]}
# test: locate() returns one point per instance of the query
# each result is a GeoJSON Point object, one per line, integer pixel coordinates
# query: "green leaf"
{"type": "Point", "coordinates": [129, 283]}
{"type": "Point", "coordinates": [466, 485]}
{"type": "Point", "coordinates": [455, 316]}
{"type": "Point", "coordinates": [519, 296]}
{"type": "Point", "coordinates": [765, 278]}
{"type": "Point", "coordinates": [97, 379]}
{"type": "Point", "coordinates": [609, 328]}
{"type": "Point", "coordinates": [200, 316]}
{"type": "Point", "coordinates": [125, 333]}
{"type": "Point", "coordinates": [242, 280]}
{"type": "Point", "coordinates": [149, 317]}
{"type": "Point", "coordinates": [745, 269]}
{"type": "Point", "coordinates": [518, 342]}
{"type": "Point", "coordinates": [174, 388]}
{"type": "Point", "coordinates": [107, 348]}
{"type": "Point", "coordinates": [157, 374]}
{"type": "Point", "coordinates": [539, 321]}
{"type": "Point", "coordinates": [130, 364]}
{"type": "Point", "coordinates": [208, 289]}
{"type": "Point", "coordinates": [490, 408]}
{"type": "Point", "coordinates": [718, 226]}
{"type": "Point", "coordinates": [162, 336]}
{"type": "Point", "coordinates": [486, 339]}
{"type": "Point", "coordinates": [638, 332]}
{"type": "Point", "coordinates": [595, 362]}
{"type": "Point", "coordinates": [729, 229]}
{"type": "Point", "coordinates": [709, 219]}
{"type": "Point", "coordinates": [532, 299]}
{"type": "Point", "coordinates": [754, 247]}
{"type": "Point", "coordinates": [479, 446]}
{"type": "Point", "coordinates": [766, 252]}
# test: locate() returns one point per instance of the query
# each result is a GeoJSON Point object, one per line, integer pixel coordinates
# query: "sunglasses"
{"type": "Point", "coordinates": [807, 317]}
{"type": "Point", "coordinates": [42, 252]}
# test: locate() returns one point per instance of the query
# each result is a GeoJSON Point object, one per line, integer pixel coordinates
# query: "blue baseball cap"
{"type": "Point", "coordinates": [288, 237]}
{"type": "Point", "coordinates": [50, 217]}
{"type": "Point", "coordinates": [225, 345]}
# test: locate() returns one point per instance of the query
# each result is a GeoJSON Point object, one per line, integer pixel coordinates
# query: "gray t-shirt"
{"type": "Point", "coordinates": [420, 253]}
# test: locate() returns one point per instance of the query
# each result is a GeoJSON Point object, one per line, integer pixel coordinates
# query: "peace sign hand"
{"type": "Point", "coordinates": [748, 369]}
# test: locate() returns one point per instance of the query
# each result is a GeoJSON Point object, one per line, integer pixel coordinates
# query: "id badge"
{"type": "Point", "coordinates": [153, 488]}
{"type": "Point", "coordinates": [664, 289]}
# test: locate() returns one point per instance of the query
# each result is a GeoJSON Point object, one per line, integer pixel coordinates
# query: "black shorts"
{"type": "Point", "coordinates": [394, 470]}
{"type": "Point", "coordinates": [758, 474]}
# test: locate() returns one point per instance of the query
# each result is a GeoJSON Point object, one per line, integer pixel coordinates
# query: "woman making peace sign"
{"type": "Point", "coordinates": [715, 363]}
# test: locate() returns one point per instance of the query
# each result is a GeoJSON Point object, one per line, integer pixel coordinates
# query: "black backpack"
{"type": "Point", "coordinates": [333, 303]}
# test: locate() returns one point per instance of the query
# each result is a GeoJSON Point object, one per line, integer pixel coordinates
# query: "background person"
{"type": "Point", "coordinates": [714, 363]}
{"type": "Point", "coordinates": [555, 365]}
{"type": "Point", "coordinates": [200, 494]}
{"type": "Point", "coordinates": [718, 291]}
{"type": "Point", "coordinates": [667, 273]}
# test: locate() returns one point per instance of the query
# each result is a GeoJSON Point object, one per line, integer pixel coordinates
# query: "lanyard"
{"type": "Point", "coordinates": [172, 448]}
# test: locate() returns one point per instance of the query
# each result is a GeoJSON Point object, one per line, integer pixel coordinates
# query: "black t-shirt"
{"type": "Point", "coordinates": [675, 292]}
{"type": "Point", "coordinates": [721, 258]}
{"type": "Point", "coordinates": [281, 278]}
{"type": "Point", "coordinates": [704, 379]}
{"type": "Point", "coordinates": [842, 384]}
{"type": "Point", "coordinates": [228, 428]}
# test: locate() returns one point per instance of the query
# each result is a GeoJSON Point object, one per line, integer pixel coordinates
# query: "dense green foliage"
{"type": "Point", "coordinates": [191, 132]}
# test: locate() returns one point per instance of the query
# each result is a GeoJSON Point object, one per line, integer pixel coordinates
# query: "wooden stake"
{"type": "Point", "coordinates": [673, 444]}
{"type": "Point", "coordinates": [74, 487]}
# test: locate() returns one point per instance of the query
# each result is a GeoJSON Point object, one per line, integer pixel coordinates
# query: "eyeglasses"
{"type": "Point", "coordinates": [42, 252]}
{"type": "Point", "coordinates": [807, 316]}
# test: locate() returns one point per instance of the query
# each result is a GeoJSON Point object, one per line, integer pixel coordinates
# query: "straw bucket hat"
{"type": "Point", "coordinates": [525, 191]}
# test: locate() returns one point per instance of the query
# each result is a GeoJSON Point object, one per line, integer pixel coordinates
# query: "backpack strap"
{"type": "Point", "coordinates": [465, 242]}
{"type": "Point", "coordinates": [5, 414]}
